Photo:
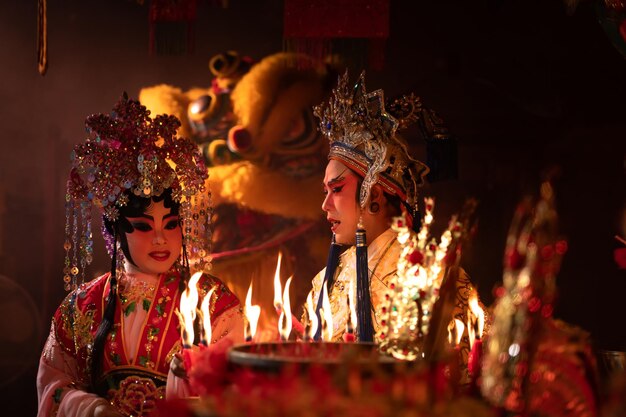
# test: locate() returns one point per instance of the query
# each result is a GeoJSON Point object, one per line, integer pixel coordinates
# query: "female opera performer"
{"type": "Point", "coordinates": [113, 338]}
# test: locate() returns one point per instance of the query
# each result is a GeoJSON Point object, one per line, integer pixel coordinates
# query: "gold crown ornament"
{"type": "Point", "coordinates": [361, 129]}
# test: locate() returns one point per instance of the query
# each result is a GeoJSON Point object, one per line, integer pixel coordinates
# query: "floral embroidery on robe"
{"type": "Point", "coordinates": [137, 351]}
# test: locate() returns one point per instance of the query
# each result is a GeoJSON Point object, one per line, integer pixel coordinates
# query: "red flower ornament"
{"type": "Point", "coordinates": [416, 257]}
{"type": "Point", "coordinates": [137, 396]}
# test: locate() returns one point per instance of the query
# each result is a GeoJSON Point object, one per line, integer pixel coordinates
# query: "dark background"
{"type": "Point", "coordinates": [523, 85]}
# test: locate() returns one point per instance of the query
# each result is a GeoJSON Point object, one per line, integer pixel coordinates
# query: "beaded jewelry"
{"type": "Point", "coordinates": [125, 152]}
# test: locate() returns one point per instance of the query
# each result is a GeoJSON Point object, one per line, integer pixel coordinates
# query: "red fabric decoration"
{"type": "Point", "coordinates": [310, 26]}
{"type": "Point", "coordinates": [171, 26]}
{"type": "Point", "coordinates": [336, 19]}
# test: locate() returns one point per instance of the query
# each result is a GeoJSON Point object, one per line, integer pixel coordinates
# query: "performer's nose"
{"type": "Point", "coordinates": [326, 203]}
{"type": "Point", "coordinates": [159, 238]}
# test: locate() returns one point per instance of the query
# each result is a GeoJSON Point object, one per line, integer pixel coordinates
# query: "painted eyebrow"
{"type": "Point", "coordinates": [336, 179]}
{"type": "Point", "coordinates": [147, 216]}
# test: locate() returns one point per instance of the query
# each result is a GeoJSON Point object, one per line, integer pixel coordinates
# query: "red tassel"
{"type": "Point", "coordinates": [313, 27]}
{"type": "Point", "coordinates": [171, 26]}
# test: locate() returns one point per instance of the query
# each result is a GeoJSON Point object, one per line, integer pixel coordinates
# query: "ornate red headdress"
{"type": "Point", "coordinates": [129, 152]}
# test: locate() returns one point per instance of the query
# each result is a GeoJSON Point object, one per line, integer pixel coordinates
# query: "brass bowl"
{"type": "Point", "coordinates": [274, 356]}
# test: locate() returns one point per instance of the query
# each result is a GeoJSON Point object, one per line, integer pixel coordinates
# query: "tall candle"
{"type": "Point", "coordinates": [278, 303]}
{"type": "Point", "coordinates": [474, 362]}
{"type": "Point", "coordinates": [252, 313]}
{"type": "Point", "coordinates": [285, 320]}
{"type": "Point", "coordinates": [312, 320]}
{"type": "Point", "coordinates": [205, 315]}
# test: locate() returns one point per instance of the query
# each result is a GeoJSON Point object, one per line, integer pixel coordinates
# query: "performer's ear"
{"type": "Point", "coordinates": [376, 199]}
{"type": "Point", "coordinates": [376, 194]}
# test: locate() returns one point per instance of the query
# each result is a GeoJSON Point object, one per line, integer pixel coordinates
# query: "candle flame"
{"type": "Point", "coordinates": [313, 321]}
{"type": "Point", "coordinates": [460, 327]}
{"type": "Point", "coordinates": [188, 306]}
{"type": "Point", "coordinates": [205, 313]}
{"type": "Point", "coordinates": [327, 316]}
{"type": "Point", "coordinates": [478, 314]}
{"type": "Point", "coordinates": [455, 331]}
{"type": "Point", "coordinates": [471, 333]}
{"type": "Point", "coordinates": [277, 284]}
{"type": "Point", "coordinates": [285, 321]}
{"type": "Point", "coordinates": [252, 313]}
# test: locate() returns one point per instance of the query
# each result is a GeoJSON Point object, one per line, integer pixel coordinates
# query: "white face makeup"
{"type": "Point", "coordinates": [156, 240]}
{"type": "Point", "coordinates": [340, 204]}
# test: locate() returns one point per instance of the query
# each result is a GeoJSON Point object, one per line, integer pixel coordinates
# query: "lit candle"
{"type": "Point", "coordinates": [187, 310]}
{"type": "Point", "coordinates": [312, 321]}
{"type": "Point", "coordinates": [252, 313]}
{"type": "Point", "coordinates": [205, 315]}
{"type": "Point", "coordinates": [186, 313]}
{"type": "Point", "coordinates": [475, 331]}
{"type": "Point", "coordinates": [479, 314]}
{"type": "Point", "coordinates": [285, 319]}
{"type": "Point", "coordinates": [455, 332]}
{"type": "Point", "coordinates": [278, 304]}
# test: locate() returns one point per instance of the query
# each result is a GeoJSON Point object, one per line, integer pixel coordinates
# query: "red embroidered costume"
{"type": "Point", "coordinates": [138, 350]}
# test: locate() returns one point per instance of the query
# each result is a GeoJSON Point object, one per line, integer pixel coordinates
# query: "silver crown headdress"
{"type": "Point", "coordinates": [361, 129]}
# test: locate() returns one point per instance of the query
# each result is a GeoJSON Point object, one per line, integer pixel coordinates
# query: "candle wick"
{"type": "Point", "coordinates": [247, 330]}
{"type": "Point", "coordinates": [453, 336]}
{"type": "Point", "coordinates": [307, 326]}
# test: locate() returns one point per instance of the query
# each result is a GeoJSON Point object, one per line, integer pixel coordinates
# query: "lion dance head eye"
{"type": "Point", "coordinates": [239, 139]}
